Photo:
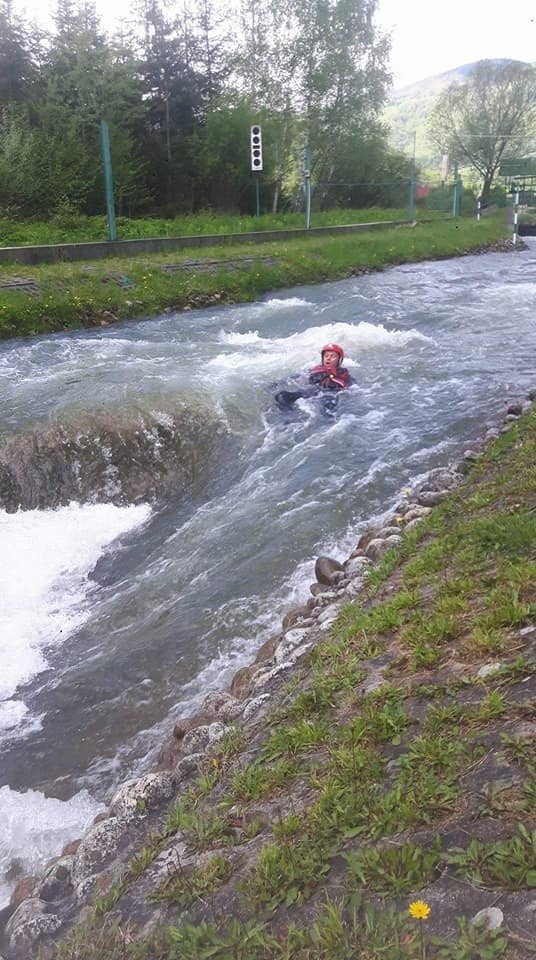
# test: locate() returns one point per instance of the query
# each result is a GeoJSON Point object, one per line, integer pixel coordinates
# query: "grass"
{"type": "Point", "coordinates": [73, 295]}
{"type": "Point", "coordinates": [67, 227]}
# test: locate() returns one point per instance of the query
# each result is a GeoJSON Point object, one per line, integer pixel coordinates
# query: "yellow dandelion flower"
{"type": "Point", "coordinates": [419, 910]}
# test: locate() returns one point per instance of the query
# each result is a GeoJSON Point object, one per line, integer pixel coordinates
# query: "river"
{"type": "Point", "coordinates": [117, 617]}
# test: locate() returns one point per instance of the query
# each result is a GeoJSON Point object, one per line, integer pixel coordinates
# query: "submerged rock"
{"type": "Point", "coordinates": [109, 456]}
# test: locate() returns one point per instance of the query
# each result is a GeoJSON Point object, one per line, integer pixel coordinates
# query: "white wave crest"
{"type": "Point", "coordinates": [277, 357]}
{"type": "Point", "coordinates": [34, 828]}
{"type": "Point", "coordinates": [46, 557]}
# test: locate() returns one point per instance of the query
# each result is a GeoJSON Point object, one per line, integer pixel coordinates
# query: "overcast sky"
{"type": "Point", "coordinates": [427, 37]}
{"type": "Point", "coordinates": [430, 37]}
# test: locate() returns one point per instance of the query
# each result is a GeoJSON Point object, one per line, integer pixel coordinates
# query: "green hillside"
{"type": "Point", "coordinates": [408, 110]}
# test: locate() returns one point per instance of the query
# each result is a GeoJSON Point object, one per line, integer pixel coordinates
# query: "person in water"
{"type": "Point", "coordinates": [329, 375]}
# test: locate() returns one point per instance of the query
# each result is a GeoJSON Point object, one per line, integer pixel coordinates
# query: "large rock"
{"type": "Point", "coordinates": [267, 650]}
{"type": "Point", "coordinates": [203, 737]}
{"type": "Point", "coordinates": [356, 566]}
{"type": "Point", "coordinates": [294, 616]}
{"type": "Point", "coordinates": [378, 547]}
{"type": "Point", "coordinates": [253, 706]}
{"type": "Point", "coordinates": [31, 921]}
{"type": "Point", "coordinates": [355, 588]}
{"type": "Point", "coordinates": [98, 848]}
{"type": "Point", "coordinates": [221, 705]}
{"type": "Point", "coordinates": [117, 456]}
{"type": "Point", "coordinates": [242, 682]}
{"type": "Point", "coordinates": [430, 498]}
{"type": "Point", "coordinates": [290, 642]}
{"type": "Point", "coordinates": [325, 568]}
{"type": "Point", "coordinates": [24, 889]}
{"type": "Point", "coordinates": [417, 512]}
{"type": "Point", "coordinates": [189, 765]}
{"type": "Point", "coordinates": [56, 883]}
{"type": "Point", "coordinates": [136, 797]}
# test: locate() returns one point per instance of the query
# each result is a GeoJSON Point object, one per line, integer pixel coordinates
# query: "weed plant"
{"type": "Point", "coordinates": [392, 869]}
{"type": "Point", "coordinates": [508, 864]}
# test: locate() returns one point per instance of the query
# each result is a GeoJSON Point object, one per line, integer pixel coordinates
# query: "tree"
{"type": "Point", "coordinates": [211, 51]}
{"type": "Point", "coordinates": [173, 101]}
{"type": "Point", "coordinates": [487, 118]}
{"type": "Point", "coordinates": [320, 68]}
{"type": "Point", "coordinates": [17, 70]}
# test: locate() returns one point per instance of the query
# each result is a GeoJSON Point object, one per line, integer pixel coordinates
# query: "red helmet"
{"type": "Point", "coordinates": [336, 349]}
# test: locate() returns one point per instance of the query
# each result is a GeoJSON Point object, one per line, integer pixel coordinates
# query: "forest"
{"type": "Point", "coordinates": [179, 87]}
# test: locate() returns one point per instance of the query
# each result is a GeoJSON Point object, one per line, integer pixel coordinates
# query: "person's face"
{"type": "Point", "coordinates": [330, 358]}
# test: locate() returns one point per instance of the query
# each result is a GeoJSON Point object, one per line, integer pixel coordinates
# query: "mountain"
{"type": "Point", "coordinates": [409, 107]}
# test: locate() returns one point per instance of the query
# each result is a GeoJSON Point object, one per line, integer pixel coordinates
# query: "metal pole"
{"type": "Point", "coordinates": [307, 177]}
{"type": "Point", "coordinates": [455, 194]}
{"type": "Point", "coordinates": [411, 201]}
{"type": "Point", "coordinates": [108, 180]}
{"type": "Point", "coordinates": [478, 202]}
{"type": "Point", "coordinates": [516, 216]}
{"type": "Point", "coordinates": [257, 197]}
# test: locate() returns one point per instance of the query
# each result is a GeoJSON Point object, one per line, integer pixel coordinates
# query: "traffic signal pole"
{"type": "Point", "coordinates": [307, 179]}
{"type": "Point", "coordinates": [255, 144]}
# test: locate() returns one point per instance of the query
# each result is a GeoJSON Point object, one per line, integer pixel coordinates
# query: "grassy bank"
{"type": "Point", "coordinates": [67, 227]}
{"type": "Point", "coordinates": [68, 296]}
{"type": "Point", "coordinates": [371, 821]}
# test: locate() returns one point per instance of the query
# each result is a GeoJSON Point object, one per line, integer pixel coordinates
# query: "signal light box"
{"type": "Point", "coordinates": [256, 147]}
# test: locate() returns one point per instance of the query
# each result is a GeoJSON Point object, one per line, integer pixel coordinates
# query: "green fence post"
{"type": "Point", "coordinates": [455, 192]}
{"type": "Point", "coordinates": [411, 198]}
{"type": "Point", "coordinates": [108, 180]}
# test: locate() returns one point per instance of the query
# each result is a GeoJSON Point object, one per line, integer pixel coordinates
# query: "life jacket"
{"type": "Point", "coordinates": [328, 379]}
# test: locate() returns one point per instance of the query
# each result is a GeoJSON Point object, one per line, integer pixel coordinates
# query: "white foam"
{"type": "Point", "coordinates": [278, 303]}
{"type": "Point", "coordinates": [281, 356]}
{"type": "Point", "coordinates": [46, 557]}
{"type": "Point", "coordinates": [242, 339]}
{"type": "Point", "coordinates": [34, 828]}
{"type": "Point", "coordinates": [12, 713]}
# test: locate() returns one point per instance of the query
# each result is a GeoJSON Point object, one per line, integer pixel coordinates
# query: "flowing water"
{"type": "Point", "coordinates": [119, 609]}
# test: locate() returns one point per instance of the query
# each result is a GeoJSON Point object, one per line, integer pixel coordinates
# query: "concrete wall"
{"type": "Point", "coordinates": [61, 252]}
